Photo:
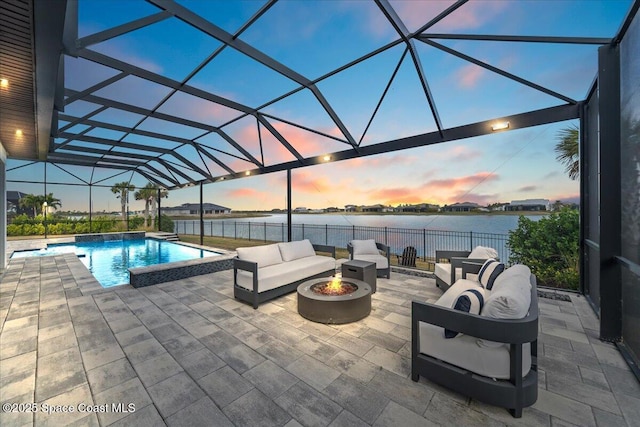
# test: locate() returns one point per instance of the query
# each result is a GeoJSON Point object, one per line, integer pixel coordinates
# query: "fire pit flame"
{"type": "Point", "coordinates": [335, 287]}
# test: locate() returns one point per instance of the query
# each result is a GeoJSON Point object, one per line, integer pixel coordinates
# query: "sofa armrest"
{"type": "Point", "coordinates": [450, 254]}
{"type": "Point", "coordinates": [325, 248]}
{"type": "Point", "coordinates": [470, 267]}
{"type": "Point", "coordinates": [250, 266]}
{"type": "Point", "coordinates": [511, 331]}
{"type": "Point", "coordinates": [387, 252]}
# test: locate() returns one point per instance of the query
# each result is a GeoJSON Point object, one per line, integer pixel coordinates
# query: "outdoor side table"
{"type": "Point", "coordinates": [361, 270]}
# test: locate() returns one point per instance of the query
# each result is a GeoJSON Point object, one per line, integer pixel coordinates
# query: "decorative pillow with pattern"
{"type": "Point", "coordinates": [470, 301]}
{"type": "Point", "coordinates": [490, 270]}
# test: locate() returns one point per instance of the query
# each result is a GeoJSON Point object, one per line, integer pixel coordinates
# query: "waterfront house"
{"type": "Point", "coordinates": [194, 209]}
{"type": "Point", "coordinates": [529, 205]}
{"type": "Point", "coordinates": [460, 207]}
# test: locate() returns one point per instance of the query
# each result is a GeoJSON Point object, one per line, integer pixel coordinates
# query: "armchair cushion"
{"type": "Point", "coordinates": [470, 301]}
{"type": "Point", "coordinates": [295, 250]}
{"type": "Point", "coordinates": [381, 261]}
{"type": "Point", "coordinates": [483, 252]}
{"type": "Point", "coordinates": [443, 271]}
{"type": "Point", "coordinates": [490, 270]}
{"type": "Point", "coordinates": [365, 247]}
{"type": "Point", "coordinates": [262, 255]}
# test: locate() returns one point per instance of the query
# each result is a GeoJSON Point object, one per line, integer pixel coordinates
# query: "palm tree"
{"type": "Point", "coordinates": [31, 201]}
{"type": "Point", "coordinates": [52, 202]}
{"type": "Point", "coordinates": [148, 194]}
{"type": "Point", "coordinates": [154, 201]}
{"type": "Point", "coordinates": [122, 190]}
{"type": "Point", "coordinates": [567, 150]}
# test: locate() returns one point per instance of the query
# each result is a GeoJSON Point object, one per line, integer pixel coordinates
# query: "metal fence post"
{"type": "Point", "coordinates": [302, 231]}
{"type": "Point", "coordinates": [282, 229]}
{"type": "Point", "coordinates": [385, 237]}
{"type": "Point", "coordinates": [424, 244]}
{"type": "Point", "coordinates": [222, 228]}
{"type": "Point", "coordinates": [471, 240]}
{"type": "Point", "coordinates": [326, 234]}
{"type": "Point", "coordinates": [265, 232]}
{"type": "Point", "coordinates": [353, 232]}
{"type": "Point", "coordinates": [249, 226]}
{"type": "Point", "coordinates": [235, 230]}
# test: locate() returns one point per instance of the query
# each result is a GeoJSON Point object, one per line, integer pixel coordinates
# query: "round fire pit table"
{"type": "Point", "coordinates": [345, 305]}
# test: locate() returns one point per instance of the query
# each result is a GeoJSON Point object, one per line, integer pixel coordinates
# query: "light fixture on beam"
{"type": "Point", "coordinates": [247, 173]}
{"type": "Point", "coordinates": [4, 83]}
{"type": "Point", "coordinates": [500, 126]}
{"type": "Point", "coordinates": [326, 158]}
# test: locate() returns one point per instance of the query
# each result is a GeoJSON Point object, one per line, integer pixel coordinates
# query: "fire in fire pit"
{"type": "Point", "coordinates": [334, 287]}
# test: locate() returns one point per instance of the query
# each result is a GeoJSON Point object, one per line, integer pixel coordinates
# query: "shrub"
{"type": "Point", "coordinates": [166, 224]}
{"type": "Point", "coordinates": [550, 247]}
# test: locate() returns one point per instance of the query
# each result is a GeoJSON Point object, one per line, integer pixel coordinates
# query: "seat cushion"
{"type": "Point", "coordinates": [466, 353]}
{"type": "Point", "coordinates": [263, 255]}
{"type": "Point", "coordinates": [295, 250]}
{"type": "Point", "coordinates": [443, 271]}
{"type": "Point", "coordinates": [364, 247]}
{"type": "Point", "coordinates": [277, 275]}
{"type": "Point", "coordinates": [381, 261]}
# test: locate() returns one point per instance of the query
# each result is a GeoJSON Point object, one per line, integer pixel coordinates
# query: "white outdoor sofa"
{"type": "Point", "coordinates": [261, 273]}
{"type": "Point", "coordinates": [494, 357]}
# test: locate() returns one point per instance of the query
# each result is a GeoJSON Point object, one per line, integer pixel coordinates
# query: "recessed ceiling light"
{"type": "Point", "coordinates": [500, 126]}
{"type": "Point", "coordinates": [247, 173]}
{"type": "Point", "coordinates": [18, 132]}
{"type": "Point", "coordinates": [4, 83]}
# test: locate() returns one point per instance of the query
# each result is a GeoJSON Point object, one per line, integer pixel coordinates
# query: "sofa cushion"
{"type": "Point", "coordinates": [465, 353]}
{"type": "Point", "coordinates": [294, 250]}
{"type": "Point", "coordinates": [263, 255]}
{"type": "Point", "coordinates": [470, 301]}
{"type": "Point", "coordinates": [381, 261]}
{"type": "Point", "coordinates": [277, 275]}
{"type": "Point", "coordinates": [515, 270]}
{"type": "Point", "coordinates": [483, 252]}
{"type": "Point", "coordinates": [447, 299]}
{"type": "Point", "coordinates": [489, 271]}
{"type": "Point", "coordinates": [364, 247]}
{"type": "Point", "coordinates": [510, 301]}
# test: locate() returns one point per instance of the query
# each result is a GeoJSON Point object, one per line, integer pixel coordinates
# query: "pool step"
{"type": "Point", "coordinates": [171, 237]}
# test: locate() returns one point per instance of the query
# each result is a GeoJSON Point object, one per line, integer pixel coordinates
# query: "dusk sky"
{"type": "Point", "coordinates": [505, 166]}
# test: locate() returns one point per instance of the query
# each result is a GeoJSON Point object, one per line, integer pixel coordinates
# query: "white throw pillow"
{"type": "Point", "coordinates": [489, 271]}
{"type": "Point", "coordinates": [509, 301]}
{"type": "Point", "coordinates": [364, 247]}
{"type": "Point", "coordinates": [469, 301]}
{"type": "Point", "coordinates": [483, 252]}
{"type": "Point", "coordinates": [515, 270]}
{"type": "Point", "coordinates": [296, 250]}
{"type": "Point", "coordinates": [263, 255]}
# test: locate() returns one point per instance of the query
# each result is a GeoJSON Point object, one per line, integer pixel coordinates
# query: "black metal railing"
{"type": "Point", "coordinates": [425, 241]}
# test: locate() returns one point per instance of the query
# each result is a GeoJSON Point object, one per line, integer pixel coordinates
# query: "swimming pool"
{"type": "Point", "coordinates": [109, 261]}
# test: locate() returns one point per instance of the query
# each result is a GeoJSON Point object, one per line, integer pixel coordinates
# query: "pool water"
{"type": "Point", "coordinates": [109, 261]}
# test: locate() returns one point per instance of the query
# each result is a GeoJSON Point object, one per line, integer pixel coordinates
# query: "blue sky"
{"type": "Point", "coordinates": [313, 38]}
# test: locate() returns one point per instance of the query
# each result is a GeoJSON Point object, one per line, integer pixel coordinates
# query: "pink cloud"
{"type": "Point", "coordinates": [461, 183]}
{"type": "Point", "coordinates": [198, 109]}
{"type": "Point", "coordinates": [469, 76]}
{"type": "Point", "coordinates": [307, 182]}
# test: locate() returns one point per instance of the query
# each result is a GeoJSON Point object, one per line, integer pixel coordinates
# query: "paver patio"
{"type": "Point", "coordinates": [187, 353]}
